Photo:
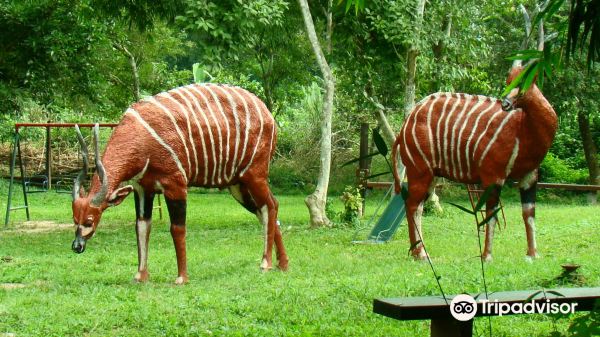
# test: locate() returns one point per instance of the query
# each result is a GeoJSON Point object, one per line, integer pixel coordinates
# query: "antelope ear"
{"type": "Point", "coordinates": [119, 195]}
{"type": "Point", "coordinates": [81, 192]}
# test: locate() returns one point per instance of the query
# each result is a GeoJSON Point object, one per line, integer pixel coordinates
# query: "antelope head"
{"type": "Point", "coordinates": [88, 207]}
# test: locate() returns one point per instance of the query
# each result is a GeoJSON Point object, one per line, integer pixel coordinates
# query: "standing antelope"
{"type": "Point", "coordinates": [475, 139]}
{"type": "Point", "coordinates": [199, 135]}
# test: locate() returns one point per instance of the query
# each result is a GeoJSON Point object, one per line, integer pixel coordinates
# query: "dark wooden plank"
{"type": "Point", "coordinates": [570, 187]}
{"type": "Point", "coordinates": [434, 307]}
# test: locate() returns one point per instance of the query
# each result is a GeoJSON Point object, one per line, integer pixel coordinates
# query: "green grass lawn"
{"type": "Point", "coordinates": [328, 290]}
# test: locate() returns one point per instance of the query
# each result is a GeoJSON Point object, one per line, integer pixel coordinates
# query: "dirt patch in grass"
{"type": "Point", "coordinates": [11, 286]}
{"type": "Point", "coordinates": [41, 226]}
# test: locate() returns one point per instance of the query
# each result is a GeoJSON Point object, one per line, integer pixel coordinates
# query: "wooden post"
{"type": "Point", "coordinates": [363, 163]}
{"type": "Point", "coordinates": [451, 328]}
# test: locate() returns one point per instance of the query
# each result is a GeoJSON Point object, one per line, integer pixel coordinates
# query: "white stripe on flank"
{"type": "Point", "coordinates": [513, 157]}
{"type": "Point", "coordinates": [454, 106]}
{"type": "Point", "coordinates": [225, 158]}
{"type": "Point", "coordinates": [468, 145]}
{"type": "Point", "coordinates": [200, 132]}
{"type": "Point", "coordinates": [258, 139]}
{"type": "Point", "coordinates": [405, 127]}
{"type": "Point", "coordinates": [414, 134]}
{"type": "Point", "coordinates": [247, 131]}
{"type": "Point", "coordinates": [216, 172]}
{"type": "Point", "coordinates": [159, 140]}
{"type": "Point", "coordinates": [493, 140]}
{"type": "Point", "coordinates": [172, 118]}
{"type": "Point", "coordinates": [453, 148]}
{"type": "Point", "coordinates": [233, 105]}
{"type": "Point", "coordinates": [141, 174]}
{"type": "Point", "coordinates": [206, 124]}
{"type": "Point", "coordinates": [447, 97]}
{"type": "Point", "coordinates": [186, 112]}
{"type": "Point", "coordinates": [429, 132]}
{"type": "Point", "coordinates": [465, 123]}
{"type": "Point", "coordinates": [271, 146]}
{"type": "Point", "coordinates": [487, 126]}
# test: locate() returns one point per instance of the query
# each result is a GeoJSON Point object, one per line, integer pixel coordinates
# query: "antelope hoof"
{"type": "Point", "coordinates": [487, 257]}
{"type": "Point", "coordinates": [141, 276]}
{"type": "Point", "coordinates": [283, 264]}
{"type": "Point", "coordinates": [265, 266]}
{"type": "Point", "coordinates": [531, 257]}
{"type": "Point", "coordinates": [420, 255]}
{"type": "Point", "coordinates": [181, 280]}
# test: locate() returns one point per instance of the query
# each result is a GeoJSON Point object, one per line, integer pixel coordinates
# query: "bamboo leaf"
{"type": "Point", "coordinates": [525, 55]}
{"type": "Point", "coordinates": [348, 5]}
{"type": "Point", "coordinates": [532, 71]}
{"type": "Point", "coordinates": [513, 84]}
{"type": "Point", "coordinates": [413, 246]}
{"type": "Point", "coordinates": [489, 217]}
{"type": "Point", "coordinates": [380, 143]}
{"type": "Point", "coordinates": [377, 175]}
{"type": "Point", "coordinates": [359, 159]}
{"type": "Point", "coordinates": [532, 296]}
{"type": "Point", "coordinates": [554, 292]}
{"type": "Point", "coordinates": [462, 208]}
{"type": "Point", "coordinates": [484, 197]}
{"type": "Point", "coordinates": [404, 192]}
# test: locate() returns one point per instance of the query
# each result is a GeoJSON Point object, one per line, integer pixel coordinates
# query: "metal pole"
{"type": "Point", "coordinates": [48, 159]}
{"type": "Point", "coordinates": [23, 179]}
{"type": "Point", "coordinates": [12, 177]}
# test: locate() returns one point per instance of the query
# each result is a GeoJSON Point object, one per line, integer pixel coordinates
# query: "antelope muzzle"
{"type": "Point", "coordinates": [78, 244]}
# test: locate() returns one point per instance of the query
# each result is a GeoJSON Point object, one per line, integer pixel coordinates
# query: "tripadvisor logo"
{"type": "Point", "coordinates": [463, 307]}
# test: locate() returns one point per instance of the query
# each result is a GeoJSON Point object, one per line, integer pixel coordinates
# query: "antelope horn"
{"type": "Point", "coordinates": [101, 195]}
{"type": "Point", "coordinates": [81, 177]}
{"type": "Point", "coordinates": [541, 35]}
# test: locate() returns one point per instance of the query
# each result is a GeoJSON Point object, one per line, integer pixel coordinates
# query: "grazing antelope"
{"type": "Point", "coordinates": [203, 135]}
{"type": "Point", "coordinates": [475, 139]}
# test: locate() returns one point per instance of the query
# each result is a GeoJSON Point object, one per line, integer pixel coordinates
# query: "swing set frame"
{"type": "Point", "coordinates": [16, 154]}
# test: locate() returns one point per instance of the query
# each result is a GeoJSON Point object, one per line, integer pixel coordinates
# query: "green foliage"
{"type": "Point", "coordinates": [352, 201]}
{"type": "Point", "coordinates": [555, 170]}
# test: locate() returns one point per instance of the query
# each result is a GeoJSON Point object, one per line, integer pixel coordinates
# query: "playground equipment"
{"type": "Point", "coordinates": [46, 181]}
{"type": "Point", "coordinates": [387, 224]}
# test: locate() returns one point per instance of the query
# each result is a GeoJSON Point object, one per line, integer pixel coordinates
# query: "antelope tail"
{"type": "Point", "coordinates": [398, 176]}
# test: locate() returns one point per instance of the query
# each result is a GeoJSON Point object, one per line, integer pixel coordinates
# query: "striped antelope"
{"type": "Point", "coordinates": [203, 135]}
{"type": "Point", "coordinates": [475, 139]}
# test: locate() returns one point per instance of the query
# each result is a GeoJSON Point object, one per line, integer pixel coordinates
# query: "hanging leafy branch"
{"type": "Point", "coordinates": [359, 5]}
{"type": "Point", "coordinates": [583, 31]}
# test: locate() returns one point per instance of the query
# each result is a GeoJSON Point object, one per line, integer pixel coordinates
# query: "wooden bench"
{"type": "Point", "coordinates": [434, 308]}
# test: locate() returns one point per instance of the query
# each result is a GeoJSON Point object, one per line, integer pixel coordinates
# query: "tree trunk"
{"type": "Point", "coordinates": [411, 63]}
{"type": "Point", "coordinates": [591, 153]}
{"type": "Point", "coordinates": [317, 200]}
{"type": "Point", "coordinates": [329, 34]}
{"type": "Point", "coordinates": [386, 130]}
{"type": "Point", "coordinates": [134, 69]}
